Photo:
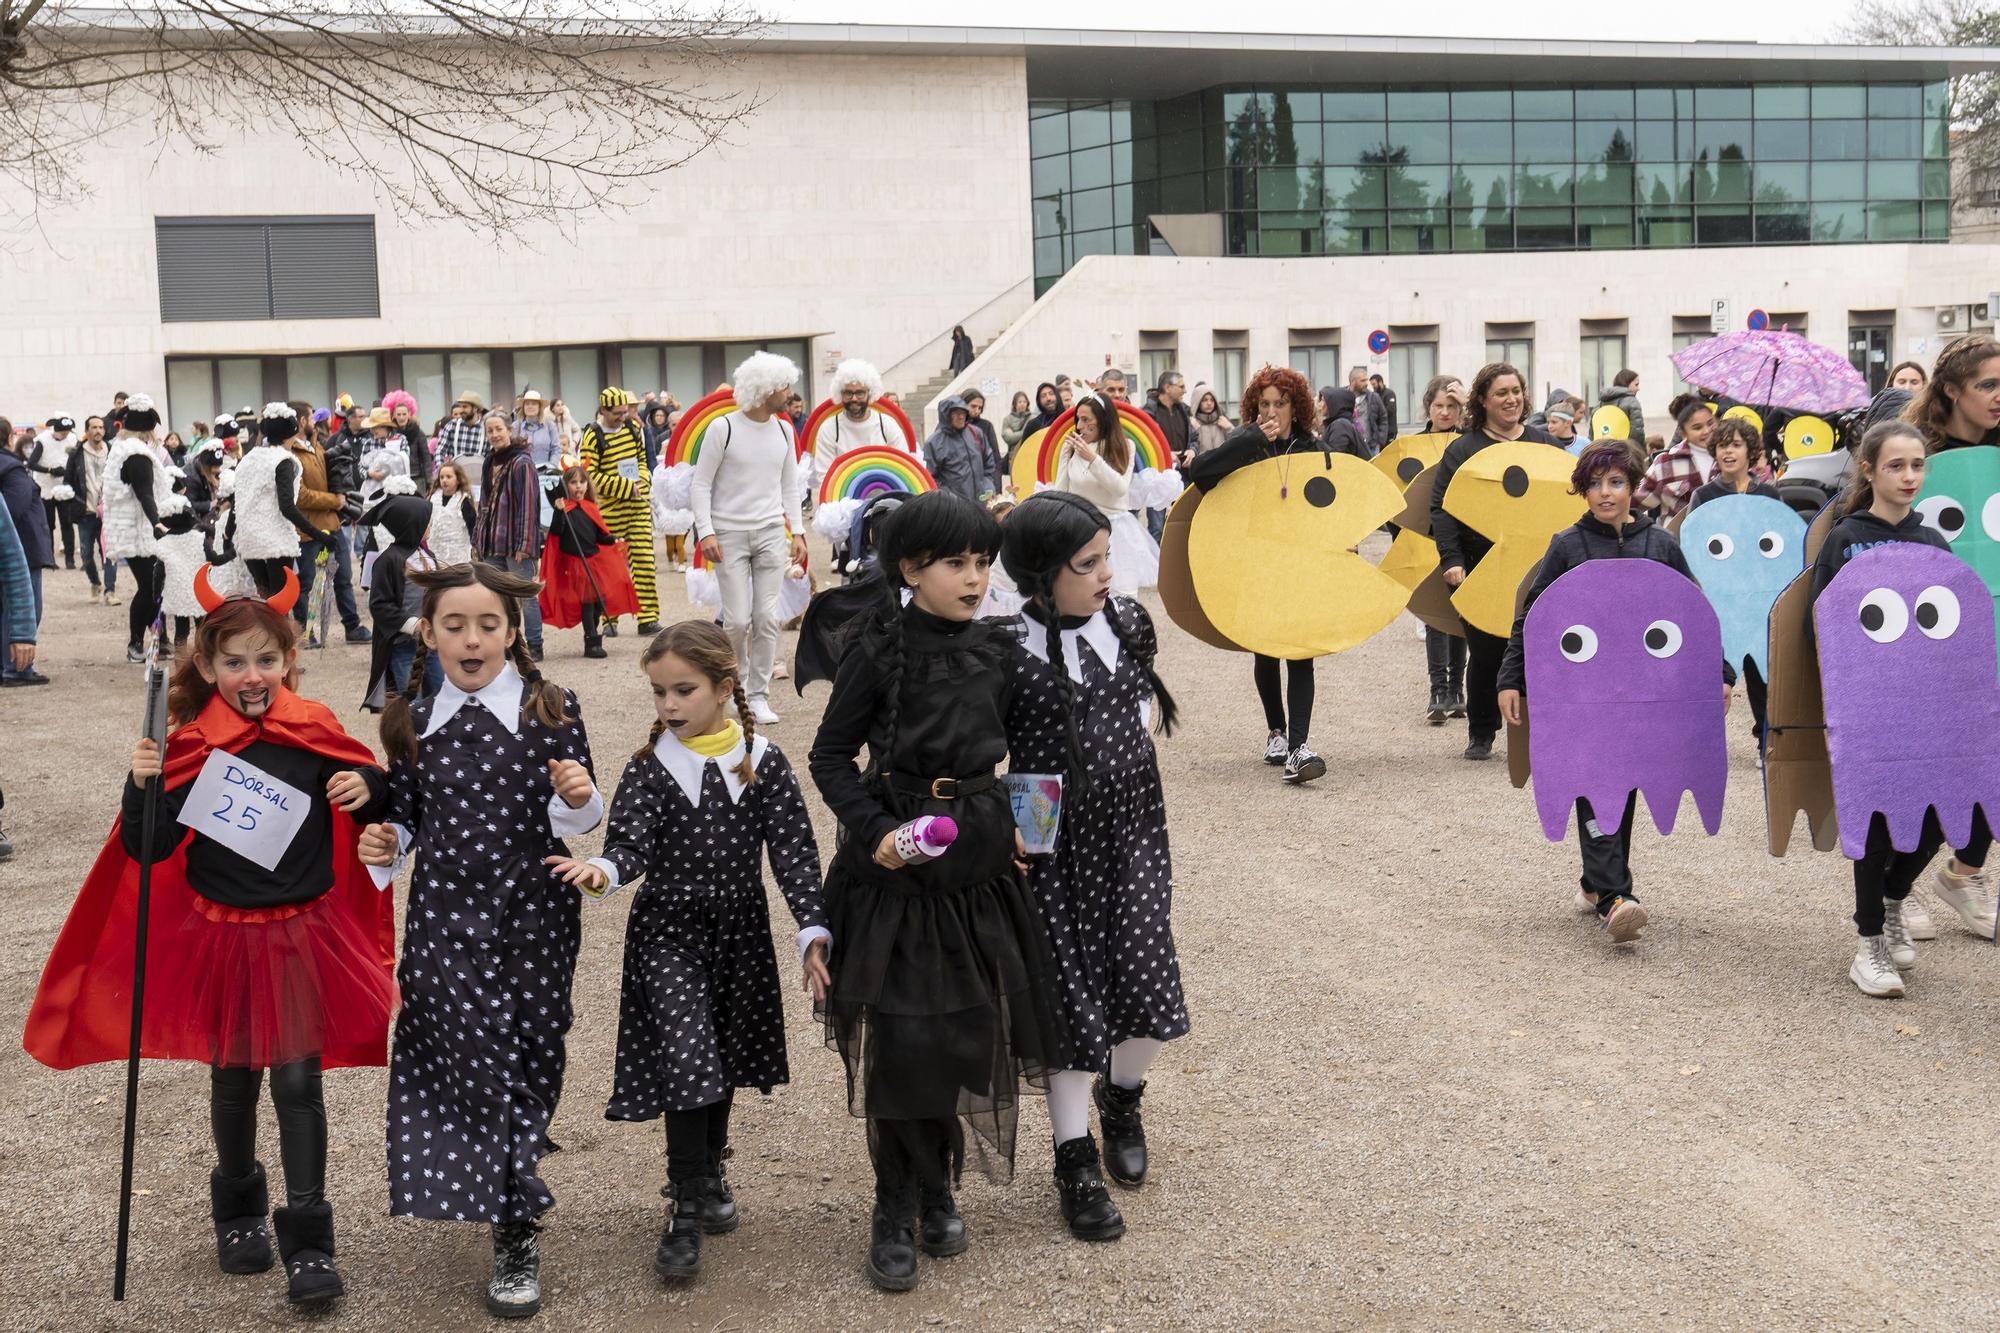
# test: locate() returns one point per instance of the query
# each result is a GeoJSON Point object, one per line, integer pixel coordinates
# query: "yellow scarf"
{"type": "Point", "coordinates": [717, 744]}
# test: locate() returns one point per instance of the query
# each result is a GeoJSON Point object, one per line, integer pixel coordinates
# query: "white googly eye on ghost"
{"type": "Point", "coordinates": [1946, 516]}
{"type": "Point", "coordinates": [1663, 638]}
{"type": "Point", "coordinates": [1989, 517]}
{"type": "Point", "coordinates": [1578, 643]}
{"type": "Point", "coordinates": [1884, 617]}
{"type": "Point", "coordinates": [1937, 612]}
{"type": "Point", "coordinates": [1771, 545]}
{"type": "Point", "coordinates": [1720, 546]}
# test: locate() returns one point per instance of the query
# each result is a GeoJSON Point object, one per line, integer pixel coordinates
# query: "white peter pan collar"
{"type": "Point", "coordinates": [1096, 632]}
{"type": "Point", "coordinates": [500, 696]}
{"type": "Point", "coordinates": [684, 766]}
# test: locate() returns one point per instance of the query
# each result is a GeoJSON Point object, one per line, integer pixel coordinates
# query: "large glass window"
{"type": "Point", "coordinates": [1229, 377]}
{"type": "Point", "coordinates": [1298, 169]}
{"type": "Point", "coordinates": [1319, 363]}
{"type": "Point", "coordinates": [1603, 358]}
{"type": "Point", "coordinates": [1411, 365]}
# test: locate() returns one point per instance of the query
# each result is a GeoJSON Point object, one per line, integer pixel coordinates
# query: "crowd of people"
{"type": "Point", "coordinates": [973, 934]}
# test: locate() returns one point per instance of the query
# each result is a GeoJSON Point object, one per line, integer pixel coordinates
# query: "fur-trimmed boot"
{"type": "Point", "coordinates": [241, 1209]}
{"type": "Point", "coordinates": [1124, 1132]}
{"type": "Point", "coordinates": [1086, 1204]}
{"type": "Point", "coordinates": [305, 1242]}
{"type": "Point", "coordinates": [679, 1254]}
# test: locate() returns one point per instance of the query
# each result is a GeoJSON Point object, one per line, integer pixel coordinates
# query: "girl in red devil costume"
{"type": "Point", "coordinates": [272, 949]}
{"type": "Point", "coordinates": [585, 576]}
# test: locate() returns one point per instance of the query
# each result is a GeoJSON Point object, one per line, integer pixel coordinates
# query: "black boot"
{"type": "Point", "coordinates": [718, 1204]}
{"type": "Point", "coordinates": [892, 1250]}
{"type": "Point", "coordinates": [1440, 705]}
{"type": "Point", "coordinates": [515, 1289]}
{"type": "Point", "coordinates": [305, 1241]}
{"type": "Point", "coordinates": [1124, 1133]}
{"type": "Point", "coordinates": [679, 1254]}
{"type": "Point", "coordinates": [241, 1208]}
{"type": "Point", "coordinates": [1086, 1204]}
{"type": "Point", "coordinates": [943, 1231]}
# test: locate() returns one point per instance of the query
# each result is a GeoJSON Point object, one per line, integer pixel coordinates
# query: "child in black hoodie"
{"type": "Point", "coordinates": [1878, 509]}
{"type": "Point", "coordinates": [1606, 476]}
{"type": "Point", "coordinates": [394, 603]}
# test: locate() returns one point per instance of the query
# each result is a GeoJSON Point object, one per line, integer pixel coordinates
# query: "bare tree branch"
{"type": "Point", "coordinates": [1973, 104]}
{"type": "Point", "coordinates": [497, 114]}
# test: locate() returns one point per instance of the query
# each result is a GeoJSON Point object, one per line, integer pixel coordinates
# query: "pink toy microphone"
{"type": "Point", "coordinates": [925, 838]}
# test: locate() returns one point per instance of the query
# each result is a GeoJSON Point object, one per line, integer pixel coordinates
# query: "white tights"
{"type": "Point", "coordinates": [1069, 1090]}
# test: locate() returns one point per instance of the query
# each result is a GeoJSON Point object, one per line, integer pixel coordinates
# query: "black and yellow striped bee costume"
{"type": "Point", "coordinates": [617, 462]}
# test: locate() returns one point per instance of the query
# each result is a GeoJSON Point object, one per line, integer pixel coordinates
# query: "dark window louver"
{"type": "Point", "coordinates": [267, 268]}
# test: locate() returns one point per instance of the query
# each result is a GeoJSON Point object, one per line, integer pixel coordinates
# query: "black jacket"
{"type": "Point", "coordinates": [24, 502]}
{"type": "Point", "coordinates": [1176, 423]}
{"type": "Point", "coordinates": [1861, 531]}
{"type": "Point", "coordinates": [1337, 434]}
{"type": "Point", "coordinates": [344, 453]}
{"type": "Point", "coordinates": [1245, 445]}
{"type": "Point", "coordinates": [1583, 541]}
{"type": "Point", "coordinates": [1715, 488]}
{"type": "Point", "coordinates": [1459, 546]}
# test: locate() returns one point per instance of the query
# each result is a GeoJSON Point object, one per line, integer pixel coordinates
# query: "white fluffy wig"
{"type": "Point", "coordinates": [856, 371]}
{"type": "Point", "coordinates": [761, 375]}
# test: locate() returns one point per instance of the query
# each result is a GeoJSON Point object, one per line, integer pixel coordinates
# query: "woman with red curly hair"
{"type": "Point", "coordinates": [1277, 420]}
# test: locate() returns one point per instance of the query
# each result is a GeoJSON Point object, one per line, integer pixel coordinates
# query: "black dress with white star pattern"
{"type": "Point", "coordinates": [943, 1000]}
{"type": "Point", "coordinates": [1107, 891]}
{"type": "Point", "coordinates": [489, 949]}
{"type": "Point", "coordinates": [701, 1012]}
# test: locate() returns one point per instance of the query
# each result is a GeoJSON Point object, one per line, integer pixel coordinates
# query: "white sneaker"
{"type": "Point", "coordinates": [1302, 766]}
{"type": "Point", "coordinates": [760, 712]}
{"type": "Point", "coordinates": [1583, 902]}
{"type": "Point", "coordinates": [1968, 896]}
{"type": "Point", "coordinates": [1873, 973]}
{"type": "Point", "coordinates": [1277, 750]}
{"type": "Point", "coordinates": [1917, 918]}
{"type": "Point", "coordinates": [1896, 930]}
{"type": "Point", "coordinates": [1624, 921]}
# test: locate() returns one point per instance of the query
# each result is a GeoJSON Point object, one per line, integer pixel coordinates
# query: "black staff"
{"type": "Point", "coordinates": [156, 731]}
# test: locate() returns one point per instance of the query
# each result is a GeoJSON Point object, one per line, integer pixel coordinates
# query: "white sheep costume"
{"type": "Point", "coordinates": [181, 556]}
{"type": "Point", "coordinates": [262, 530]}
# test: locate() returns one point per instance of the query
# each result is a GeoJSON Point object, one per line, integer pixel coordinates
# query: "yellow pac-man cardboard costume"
{"type": "Point", "coordinates": [1805, 436]}
{"type": "Point", "coordinates": [1027, 455]}
{"type": "Point", "coordinates": [1748, 414]}
{"type": "Point", "coordinates": [1405, 456]}
{"type": "Point", "coordinates": [1610, 423]}
{"type": "Point", "coordinates": [1268, 558]}
{"type": "Point", "coordinates": [1413, 560]}
{"type": "Point", "coordinates": [1516, 495]}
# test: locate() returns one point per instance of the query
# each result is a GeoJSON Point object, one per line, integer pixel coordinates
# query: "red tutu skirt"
{"type": "Point", "coordinates": [263, 987]}
{"type": "Point", "coordinates": [567, 587]}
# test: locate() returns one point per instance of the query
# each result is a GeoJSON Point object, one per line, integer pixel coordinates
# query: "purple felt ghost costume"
{"type": "Point", "coordinates": [1907, 665]}
{"type": "Point", "coordinates": [1624, 667]}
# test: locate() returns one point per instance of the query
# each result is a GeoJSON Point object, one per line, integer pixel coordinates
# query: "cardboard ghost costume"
{"type": "Point", "coordinates": [1961, 502]}
{"type": "Point", "coordinates": [1908, 666]}
{"type": "Point", "coordinates": [1744, 550]}
{"type": "Point", "coordinates": [1617, 649]}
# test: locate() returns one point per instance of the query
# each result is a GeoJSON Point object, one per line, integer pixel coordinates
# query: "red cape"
{"type": "Point", "coordinates": [82, 1013]}
{"type": "Point", "coordinates": [565, 585]}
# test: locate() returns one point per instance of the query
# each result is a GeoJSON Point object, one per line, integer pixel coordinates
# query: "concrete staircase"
{"type": "Point", "coordinates": [917, 400]}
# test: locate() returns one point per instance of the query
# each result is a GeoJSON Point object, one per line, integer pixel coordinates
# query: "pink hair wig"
{"type": "Point", "coordinates": [394, 397]}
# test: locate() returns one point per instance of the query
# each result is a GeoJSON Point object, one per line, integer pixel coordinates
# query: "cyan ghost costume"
{"type": "Point", "coordinates": [1744, 550]}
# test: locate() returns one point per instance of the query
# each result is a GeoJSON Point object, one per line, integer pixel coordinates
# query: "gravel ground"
{"type": "Point", "coordinates": [1420, 1091]}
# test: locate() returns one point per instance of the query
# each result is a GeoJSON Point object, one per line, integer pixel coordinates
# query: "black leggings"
{"type": "Point", "coordinates": [149, 578]}
{"type": "Point", "coordinates": [1483, 654]}
{"type": "Point", "coordinates": [295, 1092]}
{"type": "Point", "coordinates": [1883, 872]}
{"type": "Point", "coordinates": [268, 575]}
{"type": "Point", "coordinates": [58, 515]}
{"type": "Point", "coordinates": [695, 1139]}
{"type": "Point", "coordinates": [1445, 654]}
{"type": "Point", "coordinates": [1299, 684]}
{"type": "Point", "coordinates": [916, 1161]}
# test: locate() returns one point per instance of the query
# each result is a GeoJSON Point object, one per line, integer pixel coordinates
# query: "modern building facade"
{"type": "Point", "coordinates": [1202, 202]}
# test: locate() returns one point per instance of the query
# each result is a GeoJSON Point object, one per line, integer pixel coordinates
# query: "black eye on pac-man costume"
{"type": "Point", "coordinates": [1263, 562]}
{"type": "Point", "coordinates": [1516, 495]}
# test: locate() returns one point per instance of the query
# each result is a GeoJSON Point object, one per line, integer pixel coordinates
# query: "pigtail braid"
{"type": "Point", "coordinates": [543, 700]}
{"type": "Point", "coordinates": [747, 770]}
{"type": "Point", "coordinates": [1078, 764]}
{"type": "Point", "coordinates": [891, 616]}
{"type": "Point", "coordinates": [652, 739]}
{"type": "Point", "coordinates": [399, 733]}
{"type": "Point", "coordinates": [1129, 640]}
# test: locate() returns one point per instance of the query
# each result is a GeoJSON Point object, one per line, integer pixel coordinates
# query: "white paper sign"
{"type": "Point", "coordinates": [628, 468]}
{"type": "Point", "coordinates": [247, 810]}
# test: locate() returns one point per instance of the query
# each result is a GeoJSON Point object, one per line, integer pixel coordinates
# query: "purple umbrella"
{"type": "Point", "coordinates": [1773, 369]}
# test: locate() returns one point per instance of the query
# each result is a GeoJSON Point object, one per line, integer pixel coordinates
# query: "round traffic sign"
{"type": "Point", "coordinates": [1378, 341]}
{"type": "Point", "coordinates": [1759, 320]}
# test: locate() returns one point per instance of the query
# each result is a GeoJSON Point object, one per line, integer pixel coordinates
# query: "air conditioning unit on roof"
{"type": "Point", "coordinates": [1982, 313]}
{"type": "Point", "coordinates": [1949, 318]}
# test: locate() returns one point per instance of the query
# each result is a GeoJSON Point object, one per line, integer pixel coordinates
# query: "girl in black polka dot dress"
{"type": "Point", "coordinates": [942, 1000]}
{"type": "Point", "coordinates": [1084, 691]}
{"type": "Point", "coordinates": [486, 778]}
{"type": "Point", "coordinates": [701, 1014]}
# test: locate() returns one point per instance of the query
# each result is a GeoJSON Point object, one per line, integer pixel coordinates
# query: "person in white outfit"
{"type": "Point", "coordinates": [1097, 464]}
{"type": "Point", "coordinates": [857, 425]}
{"type": "Point", "coordinates": [138, 478]}
{"type": "Point", "coordinates": [745, 499]}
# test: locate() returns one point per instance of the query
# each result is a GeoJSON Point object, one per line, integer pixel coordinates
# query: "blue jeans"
{"type": "Point", "coordinates": [402, 652]}
{"type": "Point", "coordinates": [531, 607]}
{"type": "Point", "coordinates": [1156, 522]}
{"type": "Point", "coordinates": [7, 671]}
{"type": "Point", "coordinates": [341, 560]}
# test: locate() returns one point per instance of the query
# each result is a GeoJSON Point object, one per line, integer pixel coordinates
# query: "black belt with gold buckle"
{"type": "Point", "coordinates": [944, 789]}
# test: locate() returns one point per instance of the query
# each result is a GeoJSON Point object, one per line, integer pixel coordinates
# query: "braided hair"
{"type": "Point", "coordinates": [541, 701]}
{"type": "Point", "coordinates": [1040, 538]}
{"type": "Point", "coordinates": [705, 648]}
{"type": "Point", "coordinates": [931, 527]}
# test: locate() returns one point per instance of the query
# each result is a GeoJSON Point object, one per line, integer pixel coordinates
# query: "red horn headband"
{"type": "Point", "coordinates": [281, 601]}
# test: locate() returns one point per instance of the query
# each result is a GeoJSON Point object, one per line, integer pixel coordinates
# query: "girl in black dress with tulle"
{"type": "Point", "coordinates": [941, 1001]}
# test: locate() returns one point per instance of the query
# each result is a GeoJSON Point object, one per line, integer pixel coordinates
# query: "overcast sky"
{"type": "Point", "coordinates": [1676, 20]}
